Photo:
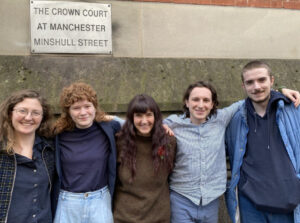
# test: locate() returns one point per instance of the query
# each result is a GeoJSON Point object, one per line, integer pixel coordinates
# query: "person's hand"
{"type": "Point", "coordinates": [293, 95]}
{"type": "Point", "coordinates": [109, 117]}
{"type": "Point", "coordinates": [168, 130]}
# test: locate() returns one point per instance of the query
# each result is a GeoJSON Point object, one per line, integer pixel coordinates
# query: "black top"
{"type": "Point", "coordinates": [268, 177]}
{"type": "Point", "coordinates": [31, 197]}
{"type": "Point", "coordinates": [84, 155]}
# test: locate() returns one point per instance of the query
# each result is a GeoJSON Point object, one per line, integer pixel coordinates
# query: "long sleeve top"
{"type": "Point", "coordinates": [146, 199]}
{"type": "Point", "coordinates": [199, 173]}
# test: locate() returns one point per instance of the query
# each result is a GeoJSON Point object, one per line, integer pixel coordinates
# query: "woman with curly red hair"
{"type": "Point", "coordinates": [145, 159]}
{"type": "Point", "coordinates": [85, 157]}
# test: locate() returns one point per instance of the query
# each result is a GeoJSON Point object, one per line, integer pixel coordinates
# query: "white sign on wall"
{"type": "Point", "coordinates": [70, 27]}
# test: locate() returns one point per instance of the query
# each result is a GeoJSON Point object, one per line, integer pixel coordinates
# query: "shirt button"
{"type": "Point", "coordinates": [35, 185]}
{"type": "Point", "coordinates": [33, 216]}
{"type": "Point", "coordinates": [34, 170]}
{"type": "Point", "coordinates": [34, 200]}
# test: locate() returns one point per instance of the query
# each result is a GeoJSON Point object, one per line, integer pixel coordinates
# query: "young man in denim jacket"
{"type": "Point", "coordinates": [263, 143]}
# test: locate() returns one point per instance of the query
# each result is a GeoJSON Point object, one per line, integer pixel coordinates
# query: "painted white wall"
{"type": "Point", "coordinates": [161, 30]}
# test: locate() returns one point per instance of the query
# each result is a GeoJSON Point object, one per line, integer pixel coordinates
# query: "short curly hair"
{"type": "Point", "coordinates": [71, 94]}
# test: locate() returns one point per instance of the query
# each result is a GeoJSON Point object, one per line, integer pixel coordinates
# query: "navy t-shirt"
{"type": "Point", "coordinates": [84, 156]}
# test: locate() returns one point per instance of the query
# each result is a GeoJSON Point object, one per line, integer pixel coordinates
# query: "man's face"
{"type": "Point", "coordinates": [257, 84]}
{"type": "Point", "coordinates": [199, 104]}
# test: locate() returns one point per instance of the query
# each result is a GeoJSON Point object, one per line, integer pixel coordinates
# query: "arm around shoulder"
{"type": "Point", "coordinates": [228, 112]}
{"type": "Point", "coordinates": [119, 120]}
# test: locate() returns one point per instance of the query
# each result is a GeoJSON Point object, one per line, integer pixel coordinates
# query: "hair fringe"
{"type": "Point", "coordinates": [71, 94]}
{"type": "Point", "coordinates": [126, 138]}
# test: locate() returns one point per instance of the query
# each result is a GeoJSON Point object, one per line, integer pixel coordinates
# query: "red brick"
{"type": "Point", "coordinates": [162, 1]}
{"type": "Point", "coordinates": [200, 2]}
{"type": "Point", "coordinates": [276, 4]}
{"type": "Point", "coordinates": [204, 2]}
{"type": "Point", "coordinates": [241, 3]}
{"type": "Point", "coordinates": [291, 5]}
{"type": "Point", "coordinates": [288, 4]}
{"type": "Point", "coordinates": [222, 2]}
{"type": "Point", "coordinates": [181, 1]}
{"type": "Point", "coordinates": [259, 3]}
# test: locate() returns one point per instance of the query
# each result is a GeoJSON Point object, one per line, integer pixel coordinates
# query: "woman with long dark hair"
{"type": "Point", "coordinates": [145, 159]}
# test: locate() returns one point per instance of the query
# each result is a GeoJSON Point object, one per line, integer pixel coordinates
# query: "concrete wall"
{"type": "Point", "coordinates": [159, 30]}
{"type": "Point", "coordinates": [158, 49]}
{"type": "Point", "coordinates": [117, 80]}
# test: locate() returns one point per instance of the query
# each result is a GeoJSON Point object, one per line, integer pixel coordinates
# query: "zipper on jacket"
{"type": "Point", "coordinates": [13, 185]}
{"type": "Point", "coordinates": [47, 168]}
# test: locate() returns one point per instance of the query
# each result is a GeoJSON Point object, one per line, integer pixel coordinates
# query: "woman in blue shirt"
{"type": "Point", "coordinates": [26, 159]}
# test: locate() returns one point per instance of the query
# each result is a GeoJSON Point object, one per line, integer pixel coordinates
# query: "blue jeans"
{"type": "Point", "coordinates": [90, 207]}
{"type": "Point", "coordinates": [185, 211]}
{"type": "Point", "coordinates": [249, 213]}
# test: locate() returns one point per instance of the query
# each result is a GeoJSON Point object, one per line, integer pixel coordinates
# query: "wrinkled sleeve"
{"type": "Point", "coordinates": [169, 121]}
{"type": "Point", "coordinates": [119, 120]}
{"type": "Point", "coordinates": [227, 113]}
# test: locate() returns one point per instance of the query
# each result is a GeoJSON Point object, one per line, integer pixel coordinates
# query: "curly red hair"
{"type": "Point", "coordinates": [77, 91]}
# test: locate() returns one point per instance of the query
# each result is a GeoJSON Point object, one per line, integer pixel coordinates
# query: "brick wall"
{"type": "Point", "coordinates": [286, 4]}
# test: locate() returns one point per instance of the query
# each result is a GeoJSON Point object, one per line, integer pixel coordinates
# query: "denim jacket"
{"type": "Point", "coordinates": [8, 166]}
{"type": "Point", "coordinates": [288, 121]}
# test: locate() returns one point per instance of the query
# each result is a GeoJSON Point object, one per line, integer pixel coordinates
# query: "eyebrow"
{"type": "Point", "coordinates": [26, 108]}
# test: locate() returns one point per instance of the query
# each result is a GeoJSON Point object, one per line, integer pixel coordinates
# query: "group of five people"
{"type": "Point", "coordinates": [100, 170]}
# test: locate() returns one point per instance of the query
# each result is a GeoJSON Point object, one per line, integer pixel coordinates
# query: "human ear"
{"type": "Point", "coordinates": [187, 103]}
{"type": "Point", "coordinates": [272, 80]}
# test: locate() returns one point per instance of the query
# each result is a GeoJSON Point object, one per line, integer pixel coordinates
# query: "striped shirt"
{"type": "Point", "coordinates": [199, 173]}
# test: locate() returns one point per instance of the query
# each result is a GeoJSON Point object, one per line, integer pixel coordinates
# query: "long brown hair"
{"type": "Point", "coordinates": [77, 91]}
{"type": "Point", "coordinates": [141, 104]}
{"type": "Point", "coordinates": [7, 136]}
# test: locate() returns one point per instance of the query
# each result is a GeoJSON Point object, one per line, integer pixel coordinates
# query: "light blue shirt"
{"type": "Point", "coordinates": [200, 167]}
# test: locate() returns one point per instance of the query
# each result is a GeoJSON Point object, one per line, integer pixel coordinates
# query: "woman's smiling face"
{"type": "Point", "coordinates": [27, 116]}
